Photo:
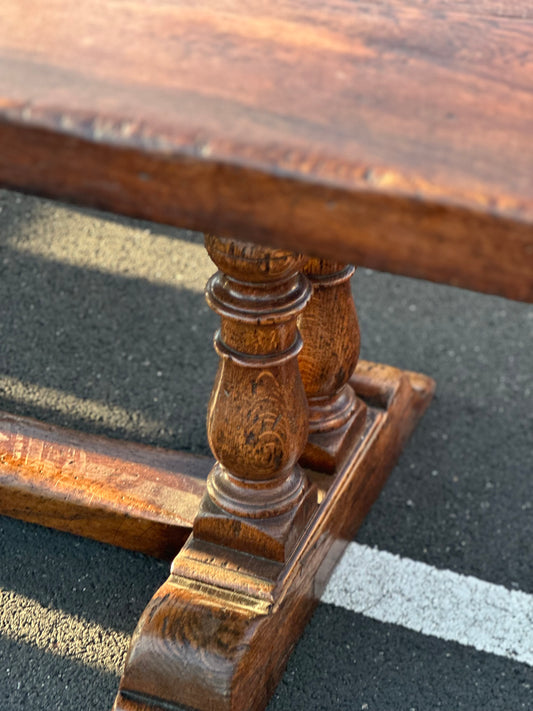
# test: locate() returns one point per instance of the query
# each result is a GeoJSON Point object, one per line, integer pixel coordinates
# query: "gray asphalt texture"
{"type": "Point", "coordinates": [103, 327]}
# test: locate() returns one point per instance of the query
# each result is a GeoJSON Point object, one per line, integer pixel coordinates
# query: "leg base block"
{"type": "Point", "coordinates": [325, 451]}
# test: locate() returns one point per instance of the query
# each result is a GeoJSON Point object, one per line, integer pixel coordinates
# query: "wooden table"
{"type": "Point", "coordinates": [396, 135]}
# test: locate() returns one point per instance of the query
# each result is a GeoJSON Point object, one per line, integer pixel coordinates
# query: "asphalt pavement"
{"type": "Point", "coordinates": [104, 328]}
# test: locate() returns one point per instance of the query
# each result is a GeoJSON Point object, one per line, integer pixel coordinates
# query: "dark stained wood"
{"type": "Point", "coordinates": [395, 135]}
{"type": "Point", "coordinates": [218, 633]}
{"type": "Point", "coordinates": [258, 500]}
{"type": "Point", "coordinates": [129, 495]}
{"type": "Point", "coordinates": [330, 332]}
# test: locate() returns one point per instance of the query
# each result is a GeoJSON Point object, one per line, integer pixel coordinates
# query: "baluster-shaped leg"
{"type": "Point", "coordinates": [330, 331]}
{"type": "Point", "coordinates": [258, 416]}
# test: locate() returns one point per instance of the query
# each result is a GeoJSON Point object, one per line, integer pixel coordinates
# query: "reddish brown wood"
{"type": "Point", "coordinates": [330, 333]}
{"type": "Point", "coordinates": [130, 495]}
{"type": "Point", "coordinates": [218, 633]}
{"type": "Point", "coordinates": [395, 135]}
{"type": "Point", "coordinates": [257, 499]}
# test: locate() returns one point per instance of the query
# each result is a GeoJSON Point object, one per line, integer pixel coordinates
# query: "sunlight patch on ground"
{"type": "Point", "coordinates": [56, 400]}
{"type": "Point", "coordinates": [64, 234]}
{"type": "Point", "coordinates": [27, 621]}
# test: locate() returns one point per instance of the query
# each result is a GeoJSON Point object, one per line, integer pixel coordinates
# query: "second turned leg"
{"type": "Point", "coordinates": [330, 331]}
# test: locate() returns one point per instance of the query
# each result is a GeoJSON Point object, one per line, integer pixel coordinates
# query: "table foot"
{"type": "Point", "coordinates": [218, 633]}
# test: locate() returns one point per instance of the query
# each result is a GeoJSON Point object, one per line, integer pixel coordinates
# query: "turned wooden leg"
{"type": "Point", "coordinates": [330, 332]}
{"type": "Point", "coordinates": [258, 499]}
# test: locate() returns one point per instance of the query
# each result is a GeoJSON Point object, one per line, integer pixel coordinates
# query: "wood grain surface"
{"type": "Point", "coordinates": [257, 500]}
{"type": "Point", "coordinates": [218, 633]}
{"type": "Point", "coordinates": [331, 342]}
{"type": "Point", "coordinates": [130, 495]}
{"type": "Point", "coordinates": [395, 134]}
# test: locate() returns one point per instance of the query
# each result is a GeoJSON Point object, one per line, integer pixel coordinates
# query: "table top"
{"type": "Point", "coordinates": [397, 134]}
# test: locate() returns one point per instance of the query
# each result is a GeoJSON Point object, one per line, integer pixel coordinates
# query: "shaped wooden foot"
{"type": "Point", "coordinates": [218, 633]}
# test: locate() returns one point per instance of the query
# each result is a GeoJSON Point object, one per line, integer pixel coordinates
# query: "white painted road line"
{"type": "Point", "coordinates": [375, 583]}
{"type": "Point", "coordinates": [440, 603]}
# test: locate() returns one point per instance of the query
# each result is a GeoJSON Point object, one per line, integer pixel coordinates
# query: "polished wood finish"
{"type": "Point", "coordinates": [391, 134]}
{"type": "Point", "coordinates": [126, 494]}
{"type": "Point", "coordinates": [218, 633]}
{"type": "Point", "coordinates": [258, 500]}
{"type": "Point", "coordinates": [395, 135]}
{"type": "Point", "coordinates": [330, 331]}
